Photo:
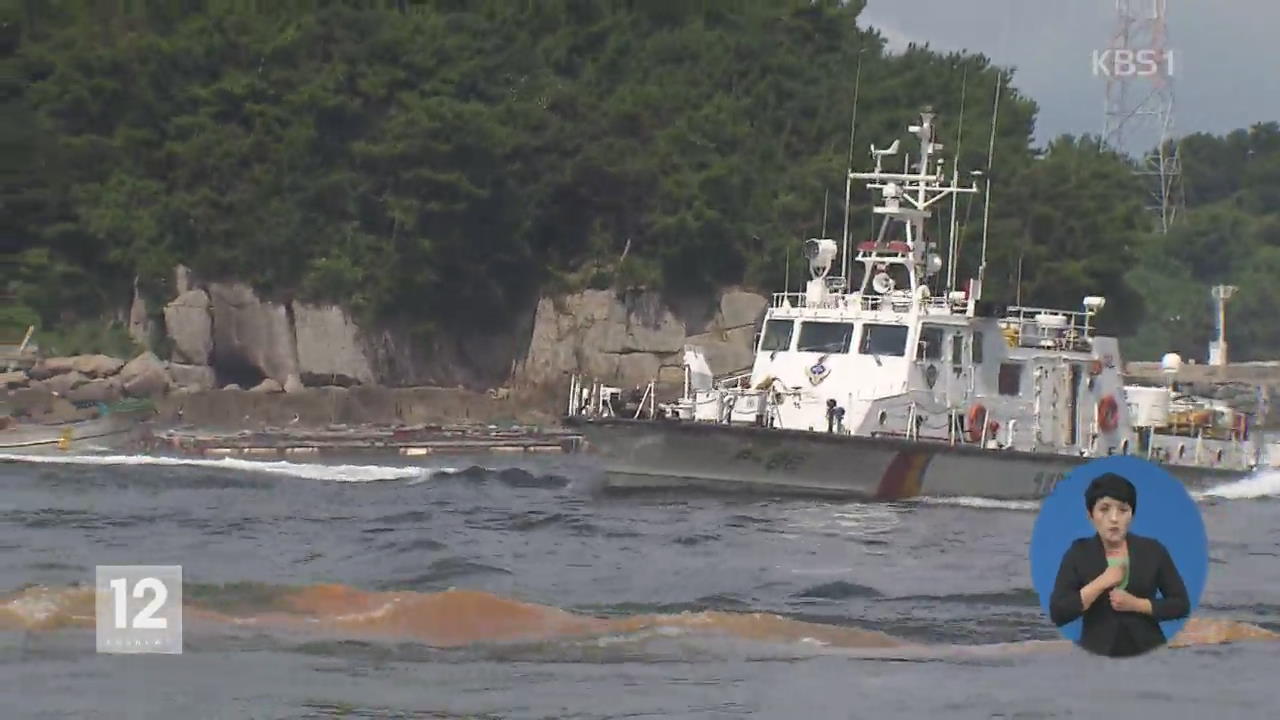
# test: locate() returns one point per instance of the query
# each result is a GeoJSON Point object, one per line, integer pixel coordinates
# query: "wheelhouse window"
{"type": "Point", "coordinates": [1010, 378]}
{"type": "Point", "coordinates": [825, 337]}
{"type": "Point", "coordinates": [777, 335]}
{"type": "Point", "coordinates": [883, 340]}
{"type": "Point", "coordinates": [931, 338]}
{"type": "Point", "coordinates": [975, 351]}
{"type": "Point", "coordinates": [957, 349]}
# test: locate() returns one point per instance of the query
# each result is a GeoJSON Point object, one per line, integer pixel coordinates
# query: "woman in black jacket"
{"type": "Point", "coordinates": [1112, 577]}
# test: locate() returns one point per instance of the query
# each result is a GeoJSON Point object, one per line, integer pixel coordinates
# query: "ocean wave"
{"type": "Point", "coordinates": [309, 471]}
{"type": "Point", "coordinates": [837, 590]}
{"type": "Point", "coordinates": [981, 503]}
{"type": "Point", "coordinates": [1262, 484]}
{"type": "Point", "coordinates": [1021, 598]}
{"type": "Point", "coordinates": [510, 476]}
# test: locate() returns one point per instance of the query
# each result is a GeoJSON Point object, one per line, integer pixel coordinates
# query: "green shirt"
{"type": "Point", "coordinates": [1112, 561]}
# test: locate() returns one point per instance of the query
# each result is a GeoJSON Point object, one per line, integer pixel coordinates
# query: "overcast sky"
{"type": "Point", "coordinates": [1226, 54]}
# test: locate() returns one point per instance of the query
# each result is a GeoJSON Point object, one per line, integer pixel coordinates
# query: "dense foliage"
{"type": "Point", "coordinates": [1229, 235]}
{"type": "Point", "coordinates": [445, 161]}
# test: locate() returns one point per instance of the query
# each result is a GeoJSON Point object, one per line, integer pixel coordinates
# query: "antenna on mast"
{"type": "Point", "coordinates": [986, 206]}
{"type": "Point", "coordinates": [826, 196]}
{"type": "Point", "coordinates": [952, 245]}
{"type": "Point", "coordinates": [848, 173]}
{"type": "Point", "coordinates": [786, 278]}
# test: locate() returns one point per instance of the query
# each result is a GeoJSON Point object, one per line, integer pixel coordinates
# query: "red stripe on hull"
{"type": "Point", "coordinates": [902, 479]}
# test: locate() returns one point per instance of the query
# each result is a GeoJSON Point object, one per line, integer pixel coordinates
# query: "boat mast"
{"type": "Point", "coordinates": [952, 245]}
{"type": "Point", "coordinates": [907, 197]}
{"type": "Point", "coordinates": [848, 178]}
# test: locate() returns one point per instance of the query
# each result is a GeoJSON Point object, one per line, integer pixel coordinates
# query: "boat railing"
{"type": "Point", "coordinates": [898, 301]}
{"type": "Point", "coordinates": [595, 399]}
{"type": "Point", "coordinates": [734, 381]}
{"type": "Point", "coordinates": [1048, 328]}
{"type": "Point", "coordinates": [801, 300]}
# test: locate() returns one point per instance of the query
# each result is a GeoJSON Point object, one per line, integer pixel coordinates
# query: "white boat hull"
{"type": "Point", "coordinates": [648, 454]}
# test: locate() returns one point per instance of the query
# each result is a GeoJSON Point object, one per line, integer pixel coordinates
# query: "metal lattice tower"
{"type": "Point", "coordinates": [1138, 115]}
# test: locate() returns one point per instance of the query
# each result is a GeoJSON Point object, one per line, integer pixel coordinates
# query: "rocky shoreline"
{"type": "Point", "coordinates": [219, 355]}
{"type": "Point", "coordinates": [75, 388]}
{"type": "Point", "coordinates": [65, 389]}
{"type": "Point", "coordinates": [216, 333]}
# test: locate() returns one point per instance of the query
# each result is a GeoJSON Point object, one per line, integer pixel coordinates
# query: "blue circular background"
{"type": "Point", "coordinates": [1166, 512]}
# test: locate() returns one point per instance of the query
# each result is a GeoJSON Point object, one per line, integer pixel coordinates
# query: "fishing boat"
{"type": "Point", "coordinates": [905, 383]}
{"type": "Point", "coordinates": [115, 426]}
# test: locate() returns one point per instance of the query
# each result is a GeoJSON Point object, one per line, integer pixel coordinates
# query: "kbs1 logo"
{"type": "Point", "coordinates": [1125, 62]}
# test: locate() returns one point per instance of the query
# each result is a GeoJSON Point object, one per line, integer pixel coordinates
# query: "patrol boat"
{"type": "Point", "coordinates": [888, 390]}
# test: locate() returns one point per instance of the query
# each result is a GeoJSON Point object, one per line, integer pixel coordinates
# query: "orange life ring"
{"type": "Point", "coordinates": [974, 422]}
{"type": "Point", "coordinates": [1108, 413]}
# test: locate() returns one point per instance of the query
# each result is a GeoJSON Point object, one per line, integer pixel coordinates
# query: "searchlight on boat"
{"type": "Point", "coordinates": [820, 252]}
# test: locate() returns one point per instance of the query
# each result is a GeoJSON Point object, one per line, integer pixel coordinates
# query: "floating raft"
{"type": "Point", "coordinates": [337, 440]}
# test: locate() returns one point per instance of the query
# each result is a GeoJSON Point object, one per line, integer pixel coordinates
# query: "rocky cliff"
{"type": "Point", "coordinates": [224, 335]}
{"type": "Point", "coordinates": [633, 339]}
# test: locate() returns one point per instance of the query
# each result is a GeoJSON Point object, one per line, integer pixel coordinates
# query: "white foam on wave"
{"type": "Point", "coordinates": [1264, 483]}
{"type": "Point", "coordinates": [981, 503]}
{"type": "Point", "coordinates": [310, 471]}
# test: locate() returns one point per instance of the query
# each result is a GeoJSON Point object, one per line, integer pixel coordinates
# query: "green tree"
{"type": "Point", "coordinates": [443, 162]}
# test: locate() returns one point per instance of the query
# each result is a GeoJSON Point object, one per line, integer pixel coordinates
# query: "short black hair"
{"type": "Point", "coordinates": [1113, 486]}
